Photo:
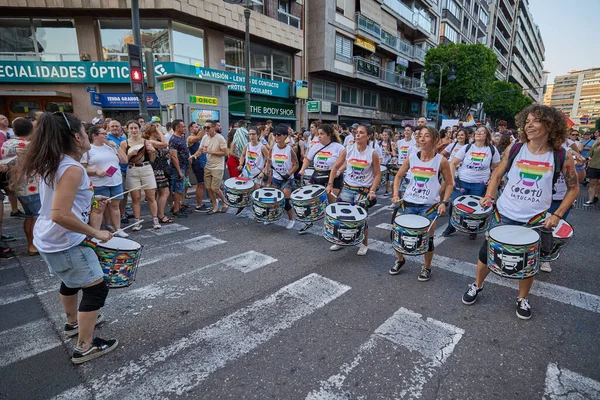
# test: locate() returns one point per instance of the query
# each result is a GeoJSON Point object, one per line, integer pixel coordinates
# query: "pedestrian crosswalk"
{"type": "Point", "coordinates": [176, 334]}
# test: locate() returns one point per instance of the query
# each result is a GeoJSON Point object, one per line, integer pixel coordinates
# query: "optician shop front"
{"type": "Point", "coordinates": [91, 89]}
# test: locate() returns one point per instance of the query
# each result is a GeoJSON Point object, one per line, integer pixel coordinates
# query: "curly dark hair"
{"type": "Point", "coordinates": [552, 118]}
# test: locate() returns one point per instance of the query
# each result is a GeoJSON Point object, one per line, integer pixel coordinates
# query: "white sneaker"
{"type": "Point", "coordinates": [290, 224]}
{"type": "Point", "coordinates": [121, 234]}
{"type": "Point", "coordinates": [362, 250]}
{"type": "Point", "coordinates": [137, 227]}
{"type": "Point", "coordinates": [545, 266]}
{"type": "Point", "coordinates": [267, 223]}
{"type": "Point", "coordinates": [335, 247]}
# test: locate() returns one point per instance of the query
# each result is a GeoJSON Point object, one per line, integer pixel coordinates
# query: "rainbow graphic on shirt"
{"type": "Point", "coordinates": [531, 172]}
{"type": "Point", "coordinates": [422, 175]}
{"type": "Point", "coordinates": [251, 156]}
{"type": "Point", "coordinates": [477, 158]}
{"type": "Point", "coordinates": [323, 156]}
{"type": "Point", "coordinates": [279, 159]}
{"type": "Point", "coordinates": [358, 165]}
{"type": "Point", "coordinates": [403, 152]}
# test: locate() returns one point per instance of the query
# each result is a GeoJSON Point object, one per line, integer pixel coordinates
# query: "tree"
{"type": "Point", "coordinates": [505, 101]}
{"type": "Point", "coordinates": [474, 67]}
{"type": "Point", "coordinates": [597, 126]}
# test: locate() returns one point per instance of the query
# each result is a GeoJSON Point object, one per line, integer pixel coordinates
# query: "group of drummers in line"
{"type": "Point", "coordinates": [536, 177]}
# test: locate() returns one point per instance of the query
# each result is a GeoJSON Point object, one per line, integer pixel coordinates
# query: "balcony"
{"type": "Point", "coordinates": [423, 23]}
{"type": "Point", "coordinates": [368, 27]}
{"type": "Point", "coordinates": [402, 82]}
{"type": "Point", "coordinates": [509, 9]}
{"type": "Point", "coordinates": [405, 48]}
{"type": "Point", "coordinates": [405, 12]}
{"type": "Point", "coordinates": [289, 19]}
{"type": "Point", "coordinates": [501, 57]}
{"type": "Point", "coordinates": [499, 75]}
{"type": "Point", "coordinates": [366, 67]}
{"type": "Point", "coordinates": [389, 40]}
{"type": "Point", "coordinates": [503, 40]}
{"type": "Point", "coordinates": [419, 54]}
{"type": "Point", "coordinates": [502, 18]}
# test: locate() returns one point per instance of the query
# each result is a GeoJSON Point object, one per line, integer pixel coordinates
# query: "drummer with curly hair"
{"type": "Point", "coordinates": [528, 192]}
{"type": "Point", "coordinates": [422, 195]}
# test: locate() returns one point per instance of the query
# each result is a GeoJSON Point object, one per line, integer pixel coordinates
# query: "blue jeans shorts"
{"type": "Point", "coordinates": [280, 184]}
{"type": "Point", "coordinates": [31, 205]}
{"type": "Point", "coordinates": [178, 184]}
{"type": "Point", "coordinates": [352, 196]}
{"type": "Point", "coordinates": [419, 209]}
{"type": "Point", "coordinates": [109, 191]}
{"type": "Point", "coordinates": [76, 267]}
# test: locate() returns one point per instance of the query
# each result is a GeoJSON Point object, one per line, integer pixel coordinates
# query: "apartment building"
{"type": "Point", "coordinates": [464, 21]}
{"type": "Point", "coordinates": [365, 58]}
{"type": "Point", "coordinates": [71, 55]}
{"type": "Point", "coordinates": [548, 94]}
{"type": "Point", "coordinates": [577, 94]}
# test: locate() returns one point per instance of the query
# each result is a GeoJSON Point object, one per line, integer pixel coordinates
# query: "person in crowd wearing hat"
{"type": "Point", "coordinates": [349, 140]}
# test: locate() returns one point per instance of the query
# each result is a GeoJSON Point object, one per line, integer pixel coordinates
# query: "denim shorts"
{"type": "Point", "coordinates": [31, 205]}
{"type": "Point", "coordinates": [177, 183]}
{"type": "Point", "coordinates": [352, 196]}
{"type": "Point", "coordinates": [419, 209]}
{"type": "Point", "coordinates": [280, 184]}
{"type": "Point", "coordinates": [110, 191]}
{"type": "Point", "coordinates": [76, 267]}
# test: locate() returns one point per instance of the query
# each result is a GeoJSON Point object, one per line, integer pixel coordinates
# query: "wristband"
{"type": "Point", "coordinates": [371, 191]}
{"type": "Point", "coordinates": [556, 215]}
{"type": "Point", "coordinates": [329, 184]}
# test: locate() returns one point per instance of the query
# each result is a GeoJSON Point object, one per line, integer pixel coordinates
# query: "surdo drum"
{"type": "Point", "coordinates": [344, 224]}
{"type": "Point", "coordinates": [267, 204]}
{"type": "Point", "coordinates": [119, 259]}
{"type": "Point", "coordinates": [384, 176]}
{"type": "Point", "coordinates": [410, 234]}
{"type": "Point", "coordinates": [309, 203]}
{"type": "Point", "coordinates": [513, 251]}
{"type": "Point", "coordinates": [308, 174]}
{"type": "Point", "coordinates": [468, 216]}
{"type": "Point", "coordinates": [561, 235]}
{"type": "Point", "coordinates": [237, 192]}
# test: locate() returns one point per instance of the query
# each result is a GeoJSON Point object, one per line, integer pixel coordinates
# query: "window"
{"type": "Point", "coordinates": [343, 48]}
{"type": "Point", "coordinates": [387, 104]}
{"type": "Point", "coordinates": [451, 6]}
{"type": "Point", "coordinates": [188, 44]}
{"type": "Point", "coordinates": [257, 6]}
{"type": "Point", "coordinates": [116, 34]}
{"type": "Point", "coordinates": [483, 17]}
{"type": "Point", "coordinates": [324, 90]}
{"type": "Point", "coordinates": [414, 108]}
{"type": "Point", "coordinates": [38, 39]}
{"type": "Point", "coordinates": [339, 6]}
{"type": "Point", "coordinates": [264, 62]}
{"type": "Point", "coordinates": [450, 33]}
{"type": "Point", "coordinates": [23, 107]}
{"type": "Point", "coordinates": [348, 95]}
{"type": "Point", "coordinates": [284, 14]}
{"type": "Point", "coordinates": [369, 99]}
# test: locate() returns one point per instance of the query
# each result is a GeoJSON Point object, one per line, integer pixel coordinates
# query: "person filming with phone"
{"type": "Point", "coordinates": [102, 165]}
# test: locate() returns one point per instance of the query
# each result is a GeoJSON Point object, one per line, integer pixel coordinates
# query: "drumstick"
{"type": "Point", "coordinates": [129, 226]}
{"type": "Point", "coordinates": [130, 190]}
{"type": "Point", "coordinates": [433, 222]}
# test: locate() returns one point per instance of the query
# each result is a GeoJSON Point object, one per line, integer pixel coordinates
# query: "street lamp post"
{"type": "Point", "coordinates": [430, 80]}
{"type": "Point", "coordinates": [246, 54]}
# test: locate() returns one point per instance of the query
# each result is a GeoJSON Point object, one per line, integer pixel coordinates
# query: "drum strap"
{"type": "Point", "coordinates": [537, 219]}
{"type": "Point", "coordinates": [88, 243]}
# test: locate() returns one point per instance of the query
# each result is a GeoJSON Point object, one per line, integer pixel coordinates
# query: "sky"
{"type": "Point", "coordinates": [570, 32]}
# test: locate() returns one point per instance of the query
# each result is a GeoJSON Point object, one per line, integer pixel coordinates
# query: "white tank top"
{"type": "Point", "coordinates": [255, 161]}
{"type": "Point", "coordinates": [281, 160]}
{"type": "Point", "coordinates": [359, 166]}
{"type": "Point", "coordinates": [48, 236]}
{"type": "Point", "coordinates": [324, 157]}
{"type": "Point", "coordinates": [560, 189]}
{"type": "Point", "coordinates": [528, 191]}
{"type": "Point", "coordinates": [424, 185]}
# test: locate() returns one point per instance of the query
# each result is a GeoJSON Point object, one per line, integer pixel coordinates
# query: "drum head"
{"type": "Point", "coordinates": [514, 235]}
{"type": "Point", "coordinates": [563, 230]}
{"type": "Point", "coordinates": [308, 192]}
{"type": "Point", "coordinates": [239, 184]}
{"type": "Point", "coordinates": [346, 212]}
{"type": "Point", "coordinates": [309, 172]}
{"type": "Point", "coordinates": [267, 195]}
{"type": "Point", "coordinates": [411, 221]}
{"type": "Point", "coordinates": [469, 204]}
{"type": "Point", "coordinates": [383, 168]}
{"type": "Point", "coordinates": [117, 243]}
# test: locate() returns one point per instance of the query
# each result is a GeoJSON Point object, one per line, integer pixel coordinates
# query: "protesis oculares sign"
{"type": "Point", "coordinates": [118, 72]}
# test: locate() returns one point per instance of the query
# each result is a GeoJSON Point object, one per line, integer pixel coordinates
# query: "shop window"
{"type": "Point", "coordinates": [38, 39]}
{"type": "Point", "coordinates": [264, 62]}
{"type": "Point", "coordinates": [116, 34]}
{"type": "Point", "coordinates": [63, 106]}
{"type": "Point", "coordinates": [369, 99]}
{"type": "Point", "coordinates": [24, 107]}
{"type": "Point", "coordinates": [324, 90]}
{"type": "Point", "coordinates": [349, 95]}
{"type": "Point", "coordinates": [188, 44]}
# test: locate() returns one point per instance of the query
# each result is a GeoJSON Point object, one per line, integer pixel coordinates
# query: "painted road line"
{"type": "Point", "coordinates": [564, 384]}
{"type": "Point", "coordinates": [433, 340]}
{"type": "Point", "coordinates": [184, 364]}
{"type": "Point", "coordinates": [26, 341]}
{"type": "Point", "coordinates": [198, 243]}
{"type": "Point", "coordinates": [8, 266]}
{"type": "Point", "coordinates": [168, 229]}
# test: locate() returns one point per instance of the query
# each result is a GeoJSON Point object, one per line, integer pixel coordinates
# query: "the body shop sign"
{"type": "Point", "coordinates": [263, 109]}
{"type": "Point", "coordinates": [118, 72]}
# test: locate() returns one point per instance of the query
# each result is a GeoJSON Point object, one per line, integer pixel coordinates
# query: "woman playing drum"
{"type": "Point", "coordinates": [475, 163]}
{"type": "Point", "coordinates": [283, 163]}
{"type": "Point", "coordinates": [362, 176]}
{"type": "Point", "coordinates": [60, 232]}
{"type": "Point", "coordinates": [422, 196]}
{"type": "Point", "coordinates": [255, 155]}
{"type": "Point", "coordinates": [528, 192]}
{"type": "Point", "coordinates": [389, 154]}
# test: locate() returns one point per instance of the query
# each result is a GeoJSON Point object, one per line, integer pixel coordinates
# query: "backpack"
{"type": "Point", "coordinates": [559, 161]}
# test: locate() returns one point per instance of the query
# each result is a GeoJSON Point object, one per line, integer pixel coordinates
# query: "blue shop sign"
{"type": "Point", "coordinates": [122, 100]}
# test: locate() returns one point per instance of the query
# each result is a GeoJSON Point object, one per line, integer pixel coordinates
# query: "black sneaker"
{"type": "Point", "coordinates": [425, 275]}
{"type": "Point", "coordinates": [202, 209]}
{"type": "Point", "coordinates": [73, 329]}
{"type": "Point", "coordinates": [305, 228]}
{"type": "Point", "coordinates": [180, 214]}
{"type": "Point", "coordinates": [449, 231]}
{"type": "Point", "coordinates": [523, 309]}
{"type": "Point", "coordinates": [124, 220]}
{"type": "Point", "coordinates": [98, 348]}
{"type": "Point", "coordinates": [8, 238]}
{"type": "Point", "coordinates": [395, 270]}
{"type": "Point", "coordinates": [17, 214]}
{"type": "Point", "coordinates": [472, 236]}
{"type": "Point", "coordinates": [470, 295]}
{"type": "Point", "coordinates": [588, 203]}
{"type": "Point", "coordinates": [6, 253]}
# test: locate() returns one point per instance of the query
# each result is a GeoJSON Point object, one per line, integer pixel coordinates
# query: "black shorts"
{"type": "Point", "coordinates": [322, 178]}
{"type": "Point", "coordinates": [593, 173]}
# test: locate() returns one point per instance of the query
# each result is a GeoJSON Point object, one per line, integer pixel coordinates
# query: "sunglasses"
{"type": "Point", "coordinates": [280, 134]}
{"type": "Point", "coordinates": [65, 117]}
{"type": "Point", "coordinates": [208, 127]}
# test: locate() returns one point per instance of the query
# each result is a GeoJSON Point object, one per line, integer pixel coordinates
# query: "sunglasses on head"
{"type": "Point", "coordinates": [280, 134]}
{"type": "Point", "coordinates": [64, 116]}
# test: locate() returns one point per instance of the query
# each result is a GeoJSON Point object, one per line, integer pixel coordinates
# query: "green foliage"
{"type": "Point", "coordinates": [474, 66]}
{"type": "Point", "coordinates": [505, 101]}
{"type": "Point", "coordinates": [597, 126]}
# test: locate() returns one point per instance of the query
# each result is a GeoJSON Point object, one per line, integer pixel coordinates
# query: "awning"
{"type": "Point", "coordinates": [33, 93]}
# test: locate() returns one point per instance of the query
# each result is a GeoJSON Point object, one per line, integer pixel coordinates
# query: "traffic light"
{"type": "Point", "coordinates": [136, 71]}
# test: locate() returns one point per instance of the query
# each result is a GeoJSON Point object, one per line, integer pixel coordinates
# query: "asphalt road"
{"type": "Point", "coordinates": [227, 308]}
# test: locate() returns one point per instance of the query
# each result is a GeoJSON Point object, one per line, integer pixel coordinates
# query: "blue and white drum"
{"type": "Point", "coordinates": [513, 251]}
{"type": "Point", "coordinates": [308, 174]}
{"type": "Point", "coordinates": [344, 224]}
{"type": "Point", "coordinates": [237, 192]}
{"type": "Point", "coordinates": [309, 203]}
{"type": "Point", "coordinates": [410, 234]}
{"type": "Point", "coordinates": [384, 176]}
{"type": "Point", "coordinates": [469, 216]}
{"type": "Point", "coordinates": [267, 204]}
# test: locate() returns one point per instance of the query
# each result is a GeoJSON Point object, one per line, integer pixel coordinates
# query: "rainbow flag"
{"type": "Point", "coordinates": [537, 219]}
{"type": "Point", "coordinates": [570, 123]}
{"type": "Point", "coordinates": [247, 169]}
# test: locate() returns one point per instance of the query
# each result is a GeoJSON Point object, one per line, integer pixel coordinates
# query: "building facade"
{"type": "Point", "coordinates": [577, 94]}
{"type": "Point", "coordinates": [366, 58]}
{"type": "Point", "coordinates": [71, 55]}
{"type": "Point", "coordinates": [548, 94]}
{"type": "Point", "coordinates": [464, 21]}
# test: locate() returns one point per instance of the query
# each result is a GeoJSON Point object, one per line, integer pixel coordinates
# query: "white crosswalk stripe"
{"type": "Point", "coordinates": [27, 340]}
{"type": "Point", "coordinates": [562, 383]}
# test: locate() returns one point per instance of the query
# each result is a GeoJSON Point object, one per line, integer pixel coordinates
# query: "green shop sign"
{"type": "Point", "coordinates": [118, 72]}
{"type": "Point", "coordinates": [262, 109]}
